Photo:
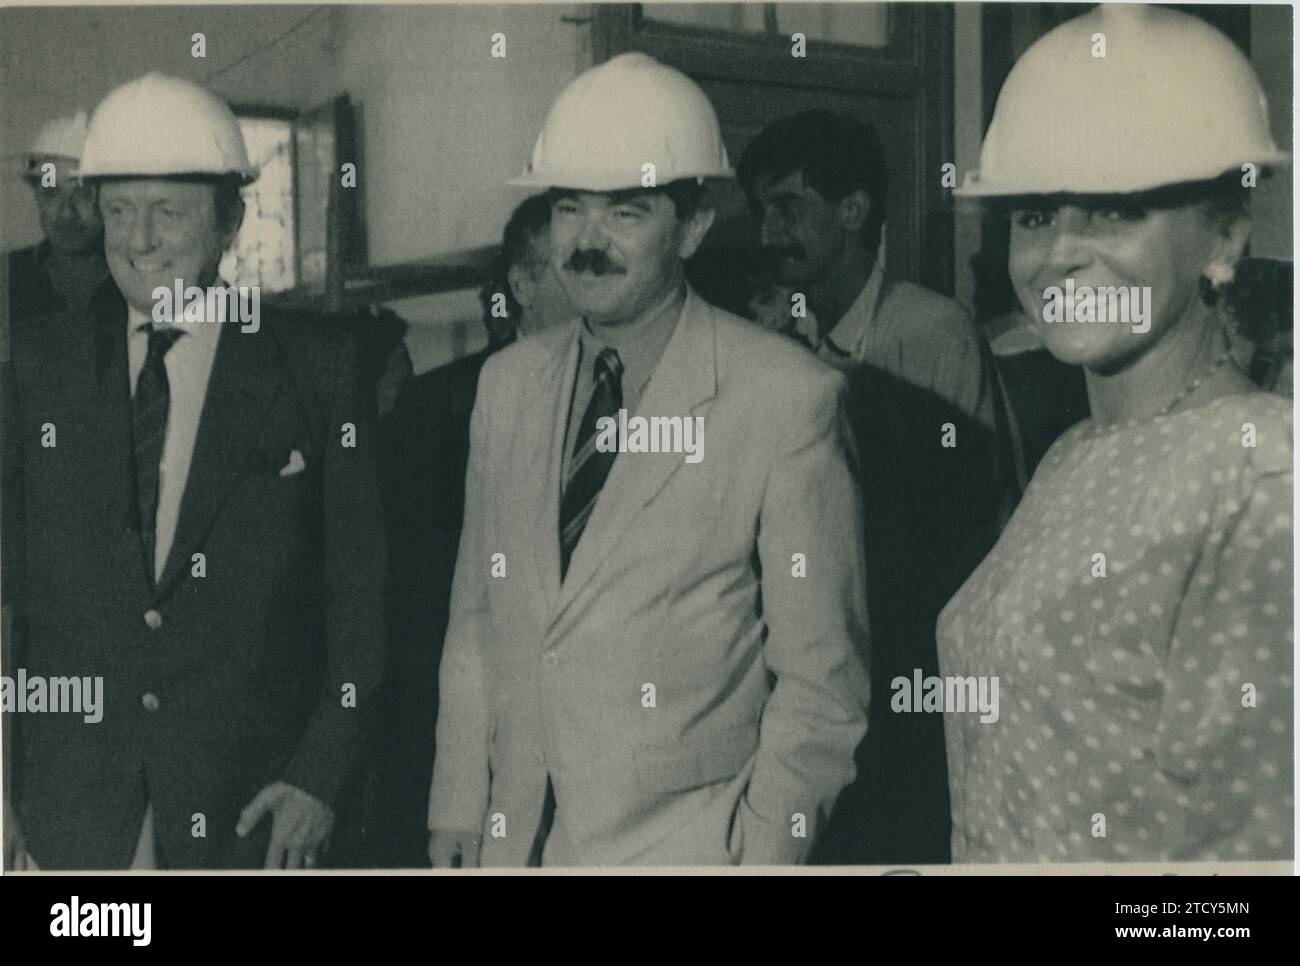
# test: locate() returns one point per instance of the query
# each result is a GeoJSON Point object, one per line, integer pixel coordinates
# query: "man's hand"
{"type": "Point", "coordinates": [300, 825]}
{"type": "Point", "coordinates": [15, 858]}
{"type": "Point", "coordinates": [453, 849]}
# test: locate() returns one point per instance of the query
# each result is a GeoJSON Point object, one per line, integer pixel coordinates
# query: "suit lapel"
{"type": "Point", "coordinates": [246, 375]}
{"type": "Point", "coordinates": [684, 380]}
{"type": "Point", "coordinates": [539, 449]}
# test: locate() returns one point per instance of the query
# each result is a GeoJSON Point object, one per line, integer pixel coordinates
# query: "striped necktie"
{"type": "Point", "coordinates": [149, 410]}
{"type": "Point", "coordinates": [589, 467]}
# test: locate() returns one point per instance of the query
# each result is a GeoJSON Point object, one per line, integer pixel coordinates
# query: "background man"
{"type": "Point", "coordinates": [534, 297]}
{"type": "Point", "coordinates": [616, 627]}
{"type": "Point", "coordinates": [818, 185]}
{"type": "Point", "coordinates": [203, 533]}
{"type": "Point", "coordinates": [817, 182]}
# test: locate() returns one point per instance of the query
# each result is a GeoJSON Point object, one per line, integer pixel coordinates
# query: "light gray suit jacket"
{"type": "Point", "coordinates": [693, 695]}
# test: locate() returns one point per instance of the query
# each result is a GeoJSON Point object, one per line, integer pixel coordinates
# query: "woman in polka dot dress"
{"type": "Point", "coordinates": [1137, 611]}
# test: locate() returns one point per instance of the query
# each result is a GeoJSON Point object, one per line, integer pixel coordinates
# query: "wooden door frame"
{"type": "Point", "coordinates": [920, 67]}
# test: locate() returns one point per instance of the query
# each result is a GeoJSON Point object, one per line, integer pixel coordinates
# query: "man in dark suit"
{"type": "Point", "coordinates": [192, 499]}
{"type": "Point", "coordinates": [424, 449]}
{"type": "Point", "coordinates": [931, 514]}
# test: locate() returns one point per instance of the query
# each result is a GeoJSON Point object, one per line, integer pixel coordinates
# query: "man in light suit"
{"type": "Point", "coordinates": [653, 657]}
{"type": "Point", "coordinates": [192, 517]}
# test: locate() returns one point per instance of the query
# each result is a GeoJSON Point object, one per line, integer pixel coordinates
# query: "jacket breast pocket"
{"type": "Point", "coordinates": [682, 766]}
{"type": "Point", "coordinates": [269, 500]}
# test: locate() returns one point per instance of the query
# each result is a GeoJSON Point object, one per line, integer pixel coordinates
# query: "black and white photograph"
{"type": "Point", "coordinates": [851, 437]}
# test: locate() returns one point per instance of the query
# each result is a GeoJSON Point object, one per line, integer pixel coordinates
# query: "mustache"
{"type": "Point", "coordinates": [593, 260]}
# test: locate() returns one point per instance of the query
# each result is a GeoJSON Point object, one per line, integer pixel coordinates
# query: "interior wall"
{"type": "Point", "coordinates": [56, 60]}
{"type": "Point", "coordinates": [444, 124]}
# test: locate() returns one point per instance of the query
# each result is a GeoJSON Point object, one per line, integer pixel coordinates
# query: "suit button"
{"type": "Point", "coordinates": [549, 659]}
{"type": "Point", "coordinates": [153, 619]}
{"type": "Point", "coordinates": [150, 701]}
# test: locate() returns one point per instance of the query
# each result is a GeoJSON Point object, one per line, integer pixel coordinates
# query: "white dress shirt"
{"type": "Point", "coordinates": [189, 365]}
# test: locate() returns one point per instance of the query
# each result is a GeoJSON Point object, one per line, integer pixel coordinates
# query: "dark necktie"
{"type": "Point", "coordinates": [149, 422]}
{"type": "Point", "coordinates": [589, 467]}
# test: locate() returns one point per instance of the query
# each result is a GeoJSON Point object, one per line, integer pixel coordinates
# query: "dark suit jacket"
{"type": "Point", "coordinates": [931, 514]}
{"type": "Point", "coordinates": [247, 669]}
{"type": "Point", "coordinates": [1046, 396]}
{"type": "Point", "coordinates": [424, 449]}
{"type": "Point", "coordinates": [35, 291]}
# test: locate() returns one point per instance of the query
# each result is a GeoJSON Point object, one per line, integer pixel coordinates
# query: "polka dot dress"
{"type": "Point", "coordinates": [1137, 612]}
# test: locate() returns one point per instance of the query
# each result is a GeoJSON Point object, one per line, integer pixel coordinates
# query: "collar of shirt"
{"type": "Point", "coordinates": [847, 339]}
{"type": "Point", "coordinates": [639, 348]}
{"type": "Point", "coordinates": [205, 333]}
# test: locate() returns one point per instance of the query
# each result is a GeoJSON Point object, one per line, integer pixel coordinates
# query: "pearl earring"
{"type": "Point", "coordinates": [1214, 279]}
{"type": "Point", "coordinates": [1220, 274]}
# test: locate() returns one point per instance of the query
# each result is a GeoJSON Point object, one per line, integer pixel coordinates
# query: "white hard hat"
{"type": "Point", "coordinates": [1172, 100]}
{"type": "Point", "coordinates": [159, 125]}
{"type": "Point", "coordinates": [62, 137]}
{"type": "Point", "coordinates": [615, 118]}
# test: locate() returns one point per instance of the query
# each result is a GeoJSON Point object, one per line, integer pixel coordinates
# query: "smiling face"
{"type": "Point", "coordinates": [802, 233]}
{"type": "Point", "coordinates": [1166, 249]}
{"type": "Point", "coordinates": [619, 255]}
{"type": "Point", "coordinates": [157, 231]}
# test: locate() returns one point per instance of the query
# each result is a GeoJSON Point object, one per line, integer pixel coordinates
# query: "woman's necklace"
{"type": "Point", "coordinates": [1195, 384]}
{"type": "Point", "coordinates": [1098, 429]}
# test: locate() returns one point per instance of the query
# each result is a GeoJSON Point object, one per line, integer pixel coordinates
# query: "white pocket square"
{"type": "Point", "coordinates": [295, 464]}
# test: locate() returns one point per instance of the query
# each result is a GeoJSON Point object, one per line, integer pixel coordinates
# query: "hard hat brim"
{"type": "Point", "coordinates": [29, 164]}
{"type": "Point", "coordinates": [246, 175]}
{"type": "Point", "coordinates": [28, 157]}
{"type": "Point", "coordinates": [975, 188]}
{"type": "Point", "coordinates": [581, 183]}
